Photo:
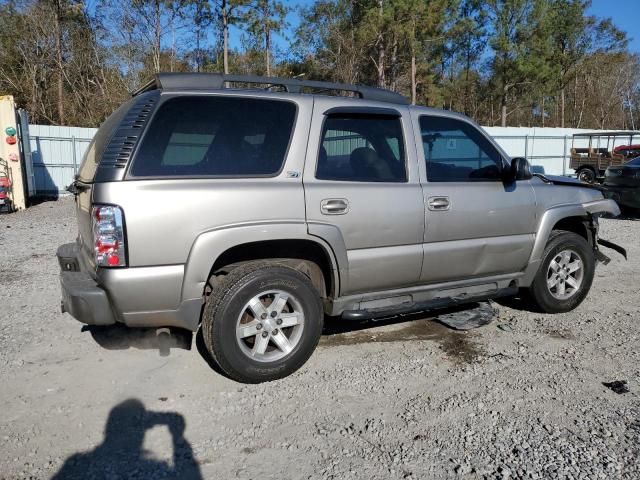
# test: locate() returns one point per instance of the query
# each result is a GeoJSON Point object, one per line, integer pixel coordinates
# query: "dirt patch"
{"type": "Point", "coordinates": [456, 345]}
{"type": "Point", "coordinates": [8, 276]}
{"type": "Point", "coordinates": [560, 334]}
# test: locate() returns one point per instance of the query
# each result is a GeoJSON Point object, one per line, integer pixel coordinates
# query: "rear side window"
{"type": "Point", "coordinates": [456, 151]}
{"type": "Point", "coordinates": [362, 148]}
{"type": "Point", "coordinates": [216, 136]}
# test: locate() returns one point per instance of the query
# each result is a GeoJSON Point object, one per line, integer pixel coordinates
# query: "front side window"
{"type": "Point", "coordinates": [455, 151]}
{"type": "Point", "coordinates": [362, 148]}
{"type": "Point", "coordinates": [216, 136]}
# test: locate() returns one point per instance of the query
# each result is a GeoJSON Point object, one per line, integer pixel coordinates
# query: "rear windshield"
{"type": "Point", "coordinates": [216, 136]}
{"type": "Point", "coordinates": [100, 140]}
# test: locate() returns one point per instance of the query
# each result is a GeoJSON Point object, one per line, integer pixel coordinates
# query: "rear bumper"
{"type": "Point", "coordinates": [82, 297]}
{"type": "Point", "coordinates": [137, 297]}
{"type": "Point", "coordinates": [84, 300]}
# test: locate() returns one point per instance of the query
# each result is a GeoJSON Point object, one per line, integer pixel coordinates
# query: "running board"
{"type": "Point", "coordinates": [434, 304]}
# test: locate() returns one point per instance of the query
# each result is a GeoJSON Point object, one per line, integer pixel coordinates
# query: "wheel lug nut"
{"type": "Point", "coordinates": [265, 334]}
{"type": "Point", "coordinates": [274, 332]}
{"type": "Point", "coordinates": [263, 316]}
{"type": "Point", "coordinates": [279, 321]}
{"type": "Point", "coordinates": [274, 314]}
{"type": "Point", "coordinates": [259, 326]}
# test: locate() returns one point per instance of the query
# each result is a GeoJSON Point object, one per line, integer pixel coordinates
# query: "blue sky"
{"type": "Point", "coordinates": [625, 15]}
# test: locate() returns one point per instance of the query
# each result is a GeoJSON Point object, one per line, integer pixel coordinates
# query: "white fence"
{"type": "Point", "coordinates": [56, 152]}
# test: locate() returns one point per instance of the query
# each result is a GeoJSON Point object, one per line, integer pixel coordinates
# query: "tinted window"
{"type": "Point", "coordinates": [455, 151]}
{"type": "Point", "coordinates": [219, 136]}
{"type": "Point", "coordinates": [362, 149]}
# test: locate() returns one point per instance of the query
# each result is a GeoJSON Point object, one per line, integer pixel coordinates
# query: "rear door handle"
{"type": "Point", "coordinates": [438, 203]}
{"type": "Point", "coordinates": [334, 206]}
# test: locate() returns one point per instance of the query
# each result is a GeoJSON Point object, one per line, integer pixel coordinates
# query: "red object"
{"type": "Point", "coordinates": [11, 140]}
{"type": "Point", "coordinates": [5, 182]}
{"type": "Point", "coordinates": [621, 148]}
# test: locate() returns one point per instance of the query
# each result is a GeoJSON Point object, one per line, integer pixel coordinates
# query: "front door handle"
{"type": "Point", "coordinates": [334, 206]}
{"type": "Point", "coordinates": [438, 203]}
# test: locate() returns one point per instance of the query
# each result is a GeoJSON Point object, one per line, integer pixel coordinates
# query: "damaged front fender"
{"type": "Point", "coordinates": [606, 243]}
{"type": "Point", "coordinates": [589, 211]}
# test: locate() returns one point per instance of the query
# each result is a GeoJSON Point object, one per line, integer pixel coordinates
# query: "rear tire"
{"type": "Point", "coordinates": [565, 274]}
{"type": "Point", "coordinates": [586, 175]}
{"type": "Point", "coordinates": [262, 322]}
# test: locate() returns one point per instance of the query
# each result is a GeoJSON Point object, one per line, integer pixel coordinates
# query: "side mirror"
{"type": "Point", "coordinates": [520, 169]}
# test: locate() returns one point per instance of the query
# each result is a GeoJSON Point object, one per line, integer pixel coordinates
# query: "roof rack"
{"type": "Point", "coordinates": [217, 81]}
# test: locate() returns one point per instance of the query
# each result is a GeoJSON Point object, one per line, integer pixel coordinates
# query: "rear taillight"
{"type": "Point", "coordinates": [108, 236]}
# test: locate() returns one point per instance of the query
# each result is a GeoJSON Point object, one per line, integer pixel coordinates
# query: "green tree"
{"type": "Point", "coordinates": [520, 48]}
{"type": "Point", "coordinates": [263, 19]}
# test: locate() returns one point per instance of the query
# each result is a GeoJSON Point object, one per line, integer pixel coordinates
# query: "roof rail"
{"type": "Point", "coordinates": [217, 81]}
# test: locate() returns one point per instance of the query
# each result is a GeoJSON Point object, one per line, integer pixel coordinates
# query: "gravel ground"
{"type": "Point", "coordinates": [522, 397]}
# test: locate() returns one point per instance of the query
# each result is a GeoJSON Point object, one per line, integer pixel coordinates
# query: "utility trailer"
{"type": "Point", "coordinates": [604, 149]}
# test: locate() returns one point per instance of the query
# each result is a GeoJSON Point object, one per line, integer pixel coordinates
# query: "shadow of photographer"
{"type": "Point", "coordinates": [121, 456]}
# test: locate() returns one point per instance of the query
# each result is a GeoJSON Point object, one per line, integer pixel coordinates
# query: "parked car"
{"type": "Point", "coordinates": [289, 204]}
{"type": "Point", "coordinates": [622, 184]}
{"type": "Point", "coordinates": [601, 151]}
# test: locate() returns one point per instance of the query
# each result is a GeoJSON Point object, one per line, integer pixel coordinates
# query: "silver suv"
{"type": "Point", "coordinates": [253, 212]}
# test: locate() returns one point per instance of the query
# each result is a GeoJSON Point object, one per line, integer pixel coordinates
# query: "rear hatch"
{"type": "Point", "coordinates": [106, 159]}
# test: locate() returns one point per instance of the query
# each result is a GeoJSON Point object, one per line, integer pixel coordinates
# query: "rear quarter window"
{"type": "Point", "coordinates": [216, 136]}
{"type": "Point", "coordinates": [91, 158]}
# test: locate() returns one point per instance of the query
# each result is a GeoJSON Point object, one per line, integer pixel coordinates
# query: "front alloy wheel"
{"type": "Point", "coordinates": [565, 274]}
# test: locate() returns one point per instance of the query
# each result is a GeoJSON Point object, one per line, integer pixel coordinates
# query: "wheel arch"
{"type": "Point", "coordinates": [304, 255]}
{"type": "Point", "coordinates": [576, 218]}
{"type": "Point", "coordinates": [289, 243]}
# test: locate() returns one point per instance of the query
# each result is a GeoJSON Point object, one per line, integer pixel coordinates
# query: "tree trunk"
{"type": "Point", "coordinates": [59, 59]}
{"type": "Point", "coordinates": [267, 47]}
{"type": "Point", "coordinates": [158, 36]}
{"type": "Point", "coordinates": [542, 111]}
{"type": "Point", "coordinates": [466, 84]}
{"type": "Point", "coordinates": [394, 65]}
{"type": "Point", "coordinates": [503, 106]}
{"type": "Point", "coordinates": [413, 78]}
{"type": "Point", "coordinates": [225, 36]}
{"type": "Point", "coordinates": [381, 50]}
{"type": "Point", "coordinates": [562, 106]}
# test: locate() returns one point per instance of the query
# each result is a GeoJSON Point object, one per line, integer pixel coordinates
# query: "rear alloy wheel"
{"type": "Point", "coordinates": [565, 274]}
{"type": "Point", "coordinates": [262, 322]}
{"type": "Point", "coordinates": [586, 175]}
{"type": "Point", "coordinates": [270, 326]}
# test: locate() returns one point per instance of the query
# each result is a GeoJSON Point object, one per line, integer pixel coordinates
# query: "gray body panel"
{"type": "Point", "coordinates": [383, 226]}
{"type": "Point", "coordinates": [387, 249]}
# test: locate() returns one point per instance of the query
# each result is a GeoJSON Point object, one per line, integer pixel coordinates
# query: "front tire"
{"type": "Point", "coordinates": [565, 274]}
{"type": "Point", "coordinates": [262, 322]}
